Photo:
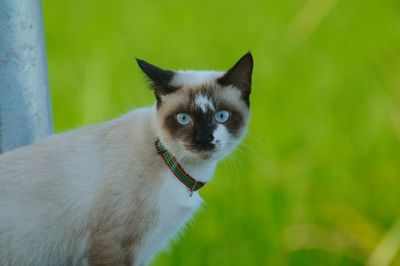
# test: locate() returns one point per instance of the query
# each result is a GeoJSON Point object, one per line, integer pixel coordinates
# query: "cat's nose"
{"type": "Point", "coordinates": [204, 138]}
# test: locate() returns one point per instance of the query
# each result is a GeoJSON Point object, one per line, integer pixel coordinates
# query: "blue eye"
{"type": "Point", "coordinates": [221, 116]}
{"type": "Point", "coordinates": [183, 118]}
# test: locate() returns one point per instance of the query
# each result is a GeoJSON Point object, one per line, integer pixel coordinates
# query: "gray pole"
{"type": "Point", "coordinates": [25, 111]}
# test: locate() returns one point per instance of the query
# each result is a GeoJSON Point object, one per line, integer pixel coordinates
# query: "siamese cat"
{"type": "Point", "coordinates": [115, 193]}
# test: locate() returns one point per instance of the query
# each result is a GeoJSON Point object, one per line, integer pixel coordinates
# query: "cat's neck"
{"type": "Point", "coordinates": [201, 170]}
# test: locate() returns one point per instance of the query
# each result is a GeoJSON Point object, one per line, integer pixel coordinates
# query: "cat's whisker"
{"type": "Point", "coordinates": [231, 169]}
{"type": "Point", "coordinates": [255, 138]}
{"type": "Point", "coordinates": [238, 172]}
{"type": "Point", "coordinates": [255, 153]}
{"type": "Point", "coordinates": [231, 161]}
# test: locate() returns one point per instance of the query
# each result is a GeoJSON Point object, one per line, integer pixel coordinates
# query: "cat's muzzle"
{"type": "Point", "coordinates": [201, 147]}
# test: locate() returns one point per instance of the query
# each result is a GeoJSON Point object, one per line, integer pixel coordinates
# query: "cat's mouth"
{"type": "Point", "coordinates": [203, 151]}
{"type": "Point", "coordinates": [209, 147]}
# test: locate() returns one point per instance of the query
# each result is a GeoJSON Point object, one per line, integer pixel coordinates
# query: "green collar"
{"type": "Point", "coordinates": [191, 183]}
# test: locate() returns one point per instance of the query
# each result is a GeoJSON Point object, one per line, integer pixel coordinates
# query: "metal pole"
{"type": "Point", "coordinates": [25, 111]}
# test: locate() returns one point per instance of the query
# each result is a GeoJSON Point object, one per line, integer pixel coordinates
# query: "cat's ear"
{"type": "Point", "coordinates": [240, 75]}
{"type": "Point", "coordinates": [160, 78]}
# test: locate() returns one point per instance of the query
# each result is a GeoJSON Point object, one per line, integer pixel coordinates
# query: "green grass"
{"type": "Point", "coordinates": [317, 181]}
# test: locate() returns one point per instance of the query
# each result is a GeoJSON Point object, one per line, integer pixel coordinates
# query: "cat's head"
{"type": "Point", "coordinates": [201, 114]}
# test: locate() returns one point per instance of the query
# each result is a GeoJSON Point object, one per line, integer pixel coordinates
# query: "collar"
{"type": "Point", "coordinates": [191, 183]}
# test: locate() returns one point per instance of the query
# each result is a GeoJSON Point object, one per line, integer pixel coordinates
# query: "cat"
{"type": "Point", "coordinates": [115, 193]}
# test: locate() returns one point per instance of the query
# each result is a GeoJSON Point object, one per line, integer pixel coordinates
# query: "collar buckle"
{"type": "Point", "coordinates": [192, 189]}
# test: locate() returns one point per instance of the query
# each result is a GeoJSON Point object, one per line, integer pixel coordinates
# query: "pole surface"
{"type": "Point", "coordinates": [25, 110]}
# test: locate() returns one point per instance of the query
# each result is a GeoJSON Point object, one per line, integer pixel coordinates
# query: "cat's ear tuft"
{"type": "Point", "coordinates": [240, 75]}
{"type": "Point", "coordinates": [160, 78]}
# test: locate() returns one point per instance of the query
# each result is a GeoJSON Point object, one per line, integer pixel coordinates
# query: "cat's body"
{"type": "Point", "coordinates": [100, 195]}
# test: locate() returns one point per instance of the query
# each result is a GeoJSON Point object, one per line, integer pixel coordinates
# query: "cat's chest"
{"type": "Point", "coordinates": [175, 205]}
{"type": "Point", "coordinates": [174, 208]}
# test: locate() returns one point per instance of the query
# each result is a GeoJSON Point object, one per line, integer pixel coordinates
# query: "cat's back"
{"type": "Point", "coordinates": [72, 149]}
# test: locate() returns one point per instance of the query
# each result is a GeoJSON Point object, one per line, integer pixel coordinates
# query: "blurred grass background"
{"type": "Point", "coordinates": [317, 180]}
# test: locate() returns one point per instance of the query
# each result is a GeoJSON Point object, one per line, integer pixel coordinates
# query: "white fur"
{"type": "Point", "coordinates": [223, 141]}
{"type": "Point", "coordinates": [233, 95]}
{"type": "Point", "coordinates": [220, 135]}
{"type": "Point", "coordinates": [189, 78]}
{"type": "Point", "coordinates": [176, 207]}
{"type": "Point", "coordinates": [204, 103]}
